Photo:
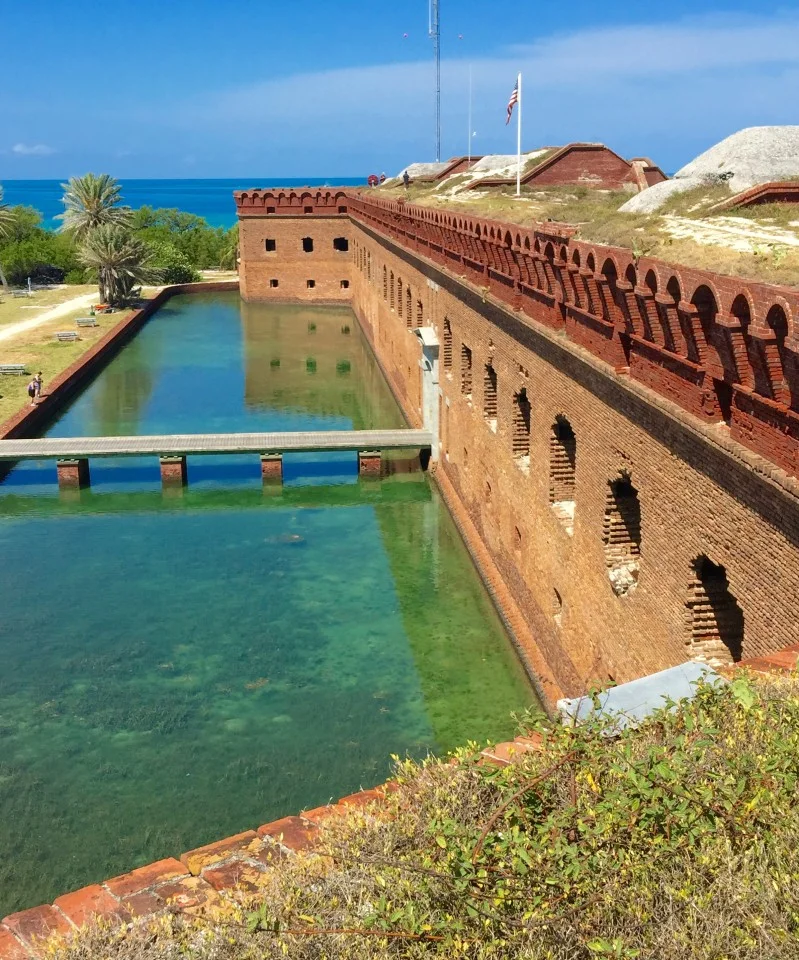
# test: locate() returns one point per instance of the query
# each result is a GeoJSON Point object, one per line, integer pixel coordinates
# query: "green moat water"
{"type": "Point", "coordinates": [177, 670]}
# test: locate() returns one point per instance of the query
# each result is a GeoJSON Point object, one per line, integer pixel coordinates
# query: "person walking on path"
{"type": "Point", "coordinates": [38, 381]}
{"type": "Point", "coordinates": [32, 387]}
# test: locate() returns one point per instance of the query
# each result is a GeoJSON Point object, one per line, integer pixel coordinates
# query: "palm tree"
{"type": "Point", "coordinates": [91, 202]}
{"type": "Point", "coordinates": [6, 219]}
{"type": "Point", "coordinates": [122, 261]}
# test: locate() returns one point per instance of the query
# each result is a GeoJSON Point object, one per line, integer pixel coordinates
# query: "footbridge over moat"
{"type": "Point", "coordinates": [72, 453]}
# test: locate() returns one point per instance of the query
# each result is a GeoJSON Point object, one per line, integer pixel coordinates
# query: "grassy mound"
{"type": "Point", "coordinates": [676, 841]}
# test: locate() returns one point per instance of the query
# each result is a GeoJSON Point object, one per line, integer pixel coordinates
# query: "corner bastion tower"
{"type": "Point", "coordinates": [619, 438]}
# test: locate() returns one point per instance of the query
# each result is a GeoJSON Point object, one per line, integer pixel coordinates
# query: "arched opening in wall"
{"type": "Point", "coordinates": [651, 281]}
{"type": "Point", "coordinates": [341, 244]}
{"type": "Point", "coordinates": [490, 397]}
{"type": "Point", "coordinates": [557, 608]}
{"type": "Point", "coordinates": [419, 313]}
{"type": "Point", "coordinates": [369, 265]}
{"type": "Point", "coordinates": [520, 437]}
{"type": "Point", "coordinates": [466, 371]}
{"type": "Point", "coordinates": [611, 274]}
{"type": "Point", "coordinates": [778, 322]}
{"type": "Point", "coordinates": [391, 290]}
{"type": "Point", "coordinates": [409, 307]}
{"type": "Point", "coordinates": [399, 297]}
{"type": "Point", "coordinates": [447, 348]}
{"type": "Point", "coordinates": [749, 361]}
{"type": "Point", "coordinates": [621, 535]}
{"type": "Point", "coordinates": [715, 621]}
{"type": "Point", "coordinates": [562, 463]}
{"type": "Point", "coordinates": [707, 308]}
{"type": "Point", "coordinates": [631, 276]}
{"type": "Point", "coordinates": [307, 244]}
{"type": "Point", "coordinates": [385, 284]}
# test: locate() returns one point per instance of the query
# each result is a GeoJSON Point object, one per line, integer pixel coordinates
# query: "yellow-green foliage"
{"type": "Point", "coordinates": [676, 841]}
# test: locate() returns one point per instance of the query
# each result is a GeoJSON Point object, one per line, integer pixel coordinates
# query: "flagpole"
{"type": "Point", "coordinates": [470, 118]}
{"type": "Point", "coordinates": [519, 141]}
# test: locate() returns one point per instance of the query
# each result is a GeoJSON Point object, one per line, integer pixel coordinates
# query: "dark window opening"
{"type": "Point", "coordinates": [521, 430]}
{"type": "Point", "coordinates": [562, 461]}
{"type": "Point", "coordinates": [341, 244]}
{"type": "Point", "coordinates": [490, 397]}
{"type": "Point", "coordinates": [273, 283]}
{"type": "Point", "coordinates": [271, 209]}
{"type": "Point", "coordinates": [715, 621]}
{"type": "Point", "coordinates": [270, 245]}
{"type": "Point", "coordinates": [621, 534]}
{"type": "Point", "coordinates": [307, 244]}
{"type": "Point", "coordinates": [447, 346]}
{"type": "Point", "coordinates": [342, 209]}
{"type": "Point", "coordinates": [466, 371]}
{"type": "Point", "coordinates": [307, 210]}
{"type": "Point", "coordinates": [345, 284]}
{"type": "Point", "coordinates": [310, 284]}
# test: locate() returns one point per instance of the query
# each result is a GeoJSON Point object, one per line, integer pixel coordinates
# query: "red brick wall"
{"type": "Point", "coordinates": [696, 497]}
{"type": "Point", "coordinates": [288, 265]}
{"type": "Point", "coordinates": [586, 167]}
{"type": "Point", "coordinates": [664, 375]}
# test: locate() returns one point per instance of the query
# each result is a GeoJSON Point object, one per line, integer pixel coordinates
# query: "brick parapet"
{"type": "Point", "coordinates": [666, 325]}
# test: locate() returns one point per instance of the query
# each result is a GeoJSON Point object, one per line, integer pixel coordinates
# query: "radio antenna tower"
{"type": "Point", "coordinates": [434, 30]}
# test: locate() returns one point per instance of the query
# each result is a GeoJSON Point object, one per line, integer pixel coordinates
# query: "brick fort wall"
{"type": "Point", "coordinates": [633, 533]}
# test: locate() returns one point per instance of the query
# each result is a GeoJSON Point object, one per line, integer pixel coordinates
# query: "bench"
{"type": "Point", "coordinates": [64, 336]}
{"type": "Point", "coordinates": [19, 293]}
{"type": "Point", "coordinates": [12, 368]}
{"type": "Point", "coordinates": [87, 322]}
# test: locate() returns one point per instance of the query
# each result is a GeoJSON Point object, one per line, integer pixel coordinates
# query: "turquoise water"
{"type": "Point", "coordinates": [211, 199]}
{"type": "Point", "coordinates": [177, 669]}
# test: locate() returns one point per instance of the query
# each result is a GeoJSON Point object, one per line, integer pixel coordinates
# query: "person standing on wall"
{"type": "Point", "coordinates": [406, 179]}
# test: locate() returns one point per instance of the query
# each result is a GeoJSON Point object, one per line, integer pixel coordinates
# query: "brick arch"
{"type": "Point", "coordinates": [751, 367]}
{"type": "Point", "coordinates": [651, 281]}
{"type": "Point", "coordinates": [576, 258]}
{"type": "Point", "coordinates": [631, 275]}
{"type": "Point", "coordinates": [780, 362]}
{"type": "Point", "coordinates": [590, 261]}
{"type": "Point", "coordinates": [563, 253]}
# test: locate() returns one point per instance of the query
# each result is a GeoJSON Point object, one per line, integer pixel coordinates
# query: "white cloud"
{"type": "Point", "coordinates": [657, 88]}
{"type": "Point", "coordinates": [32, 150]}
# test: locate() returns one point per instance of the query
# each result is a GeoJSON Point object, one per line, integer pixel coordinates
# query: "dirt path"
{"type": "Point", "coordinates": [62, 310]}
{"type": "Point", "coordinates": [736, 233]}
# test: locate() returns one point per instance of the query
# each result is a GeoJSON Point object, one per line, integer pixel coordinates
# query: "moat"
{"type": "Point", "coordinates": [180, 669]}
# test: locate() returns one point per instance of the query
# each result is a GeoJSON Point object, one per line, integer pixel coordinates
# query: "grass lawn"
{"type": "Point", "coordinates": [13, 309]}
{"type": "Point", "coordinates": [38, 350]}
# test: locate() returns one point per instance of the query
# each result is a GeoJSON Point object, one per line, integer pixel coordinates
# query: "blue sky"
{"type": "Point", "coordinates": [172, 88]}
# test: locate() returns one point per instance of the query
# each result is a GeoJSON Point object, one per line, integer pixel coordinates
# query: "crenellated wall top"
{"type": "Point", "coordinates": [291, 202]}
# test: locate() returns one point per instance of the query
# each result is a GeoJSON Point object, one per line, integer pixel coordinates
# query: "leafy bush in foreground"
{"type": "Point", "coordinates": [677, 841]}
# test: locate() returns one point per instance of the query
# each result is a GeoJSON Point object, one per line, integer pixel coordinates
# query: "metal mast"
{"type": "Point", "coordinates": [434, 31]}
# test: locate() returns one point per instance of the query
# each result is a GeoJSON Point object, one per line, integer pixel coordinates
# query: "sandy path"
{"type": "Point", "coordinates": [736, 233]}
{"type": "Point", "coordinates": [62, 310]}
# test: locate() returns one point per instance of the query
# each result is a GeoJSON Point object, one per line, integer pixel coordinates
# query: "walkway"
{"type": "Point", "coordinates": [62, 310]}
{"type": "Point", "coordinates": [213, 443]}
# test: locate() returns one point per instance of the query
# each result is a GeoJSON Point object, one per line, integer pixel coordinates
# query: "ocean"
{"type": "Point", "coordinates": [212, 199]}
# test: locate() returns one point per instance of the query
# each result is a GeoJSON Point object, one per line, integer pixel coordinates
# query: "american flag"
{"type": "Point", "coordinates": [514, 99]}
